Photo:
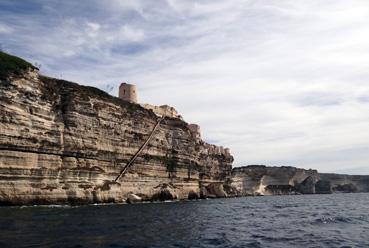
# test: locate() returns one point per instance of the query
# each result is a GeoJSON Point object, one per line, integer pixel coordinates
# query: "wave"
{"type": "Point", "coordinates": [334, 220]}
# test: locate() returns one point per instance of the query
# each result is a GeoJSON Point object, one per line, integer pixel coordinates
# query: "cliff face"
{"type": "Point", "coordinates": [264, 180]}
{"type": "Point", "coordinates": [346, 183]}
{"type": "Point", "coordinates": [64, 143]}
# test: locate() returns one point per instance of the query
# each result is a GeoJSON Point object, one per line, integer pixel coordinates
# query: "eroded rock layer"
{"type": "Point", "coordinates": [264, 180]}
{"type": "Point", "coordinates": [65, 143]}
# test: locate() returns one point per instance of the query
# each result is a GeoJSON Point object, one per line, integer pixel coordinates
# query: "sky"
{"type": "Point", "coordinates": [281, 83]}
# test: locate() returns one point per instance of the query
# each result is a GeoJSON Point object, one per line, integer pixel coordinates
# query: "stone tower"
{"type": "Point", "coordinates": [128, 92]}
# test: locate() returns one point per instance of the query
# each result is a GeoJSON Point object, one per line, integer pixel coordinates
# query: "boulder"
{"type": "Point", "coordinates": [132, 198]}
{"type": "Point", "coordinates": [211, 196]}
{"type": "Point", "coordinates": [144, 197]}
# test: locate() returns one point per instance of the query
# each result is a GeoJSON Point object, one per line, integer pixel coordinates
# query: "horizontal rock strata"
{"type": "Point", "coordinates": [61, 142]}
{"type": "Point", "coordinates": [264, 180]}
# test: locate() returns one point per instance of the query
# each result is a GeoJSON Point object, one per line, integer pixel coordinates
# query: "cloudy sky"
{"type": "Point", "coordinates": [279, 82]}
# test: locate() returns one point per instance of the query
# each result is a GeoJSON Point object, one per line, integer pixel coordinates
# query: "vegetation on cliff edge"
{"type": "Point", "coordinates": [12, 65]}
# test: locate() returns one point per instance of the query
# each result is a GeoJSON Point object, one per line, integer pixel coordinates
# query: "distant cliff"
{"type": "Point", "coordinates": [346, 183]}
{"type": "Point", "coordinates": [265, 180]}
{"type": "Point", "coordinates": [61, 142]}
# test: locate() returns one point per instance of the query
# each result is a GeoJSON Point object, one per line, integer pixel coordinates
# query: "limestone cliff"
{"type": "Point", "coordinates": [61, 142]}
{"type": "Point", "coordinates": [346, 183]}
{"type": "Point", "coordinates": [265, 180]}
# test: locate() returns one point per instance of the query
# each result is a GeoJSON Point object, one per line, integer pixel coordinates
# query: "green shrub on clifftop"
{"type": "Point", "coordinates": [12, 65]}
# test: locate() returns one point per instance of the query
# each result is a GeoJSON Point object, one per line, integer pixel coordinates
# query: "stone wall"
{"type": "Point", "coordinates": [163, 110]}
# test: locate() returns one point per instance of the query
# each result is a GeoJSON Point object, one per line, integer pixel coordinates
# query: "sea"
{"type": "Point", "coordinates": [337, 220]}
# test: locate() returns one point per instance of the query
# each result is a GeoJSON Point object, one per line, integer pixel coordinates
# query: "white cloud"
{"type": "Point", "coordinates": [5, 29]}
{"type": "Point", "coordinates": [92, 29]}
{"type": "Point", "coordinates": [127, 33]}
{"type": "Point", "coordinates": [279, 82]}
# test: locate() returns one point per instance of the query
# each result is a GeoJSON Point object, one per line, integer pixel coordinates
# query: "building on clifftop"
{"type": "Point", "coordinates": [128, 92]}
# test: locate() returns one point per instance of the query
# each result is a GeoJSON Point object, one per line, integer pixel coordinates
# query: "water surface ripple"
{"type": "Point", "coordinates": [338, 220]}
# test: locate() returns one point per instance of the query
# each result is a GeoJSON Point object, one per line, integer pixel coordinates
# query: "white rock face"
{"type": "Point", "coordinates": [64, 143]}
{"type": "Point", "coordinates": [132, 198]}
{"type": "Point", "coordinates": [265, 180]}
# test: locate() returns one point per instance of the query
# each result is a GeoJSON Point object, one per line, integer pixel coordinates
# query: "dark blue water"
{"type": "Point", "coordinates": [339, 220]}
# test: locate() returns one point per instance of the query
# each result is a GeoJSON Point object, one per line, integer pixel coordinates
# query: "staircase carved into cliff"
{"type": "Point", "coordinates": [143, 146]}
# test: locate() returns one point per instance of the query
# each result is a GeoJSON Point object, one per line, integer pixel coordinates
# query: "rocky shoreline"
{"type": "Point", "coordinates": [284, 180]}
{"type": "Point", "coordinates": [63, 143]}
